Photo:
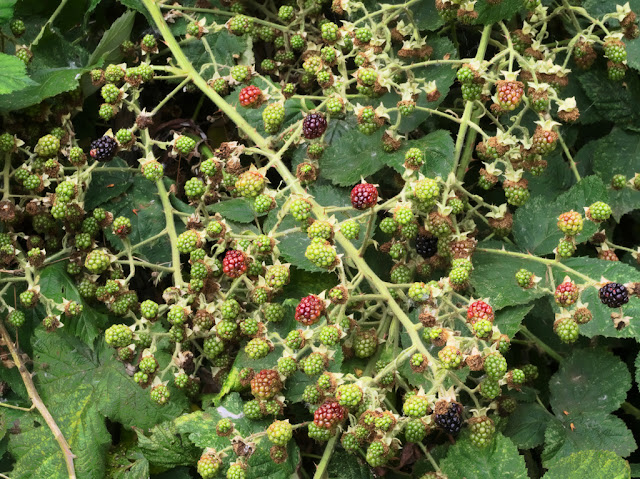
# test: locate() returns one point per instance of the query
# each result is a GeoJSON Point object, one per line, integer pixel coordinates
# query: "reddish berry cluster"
{"type": "Point", "coordinates": [234, 263]}
{"type": "Point", "coordinates": [479, 310]}
{"type": "Point", "coordinates": [329, 414]}
{"type": "Point", "coordinates": [309, 310]}
{"type": "Point", "coordinates": [363, 196]}
{"type": "Point", "coordinates": [266, 384]}
{"type": "Point", "coordinates": [566, 293]}
{"type": "Point", "coordinates": [250, 95]}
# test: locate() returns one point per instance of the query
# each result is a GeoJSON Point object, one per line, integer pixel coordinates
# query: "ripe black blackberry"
{"type": "Point", "coordinates": [314, 125]}
{"type": "Point", "coordinates": [450, 422]}
{"type": "Point", "coordinates": [614, 295]}
{"type": "Point", "coordinates": [103, 149]}
{"type": "Point", "coordinates": [426, 246]}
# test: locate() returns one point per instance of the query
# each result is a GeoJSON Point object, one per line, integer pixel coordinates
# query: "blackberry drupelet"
{"type": "Point", "coordinates": [450, 422]}
{"type": "Point", "coordinates": [314, 125]}
{"type": "Point", "coordinates": [614, 295]}
{"type": "Point", "coordinates": [426, 246]}
{"type": "Point", "coordinates": [103, 149]}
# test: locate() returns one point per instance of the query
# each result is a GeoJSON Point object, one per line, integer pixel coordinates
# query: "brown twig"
{"type": "Point", "coordinates": [37, 402]}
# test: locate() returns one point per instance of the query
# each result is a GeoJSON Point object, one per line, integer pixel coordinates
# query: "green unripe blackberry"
{"type": "Point", "coordinates": [363, 35]}
{"type": "Point", "coordinates": [450, 357]}
{"type": "Point", "coordinates": [567, 330]}
{"type": "Point", "coordinates": [297, 42]}
{"type": "Point", "coordinates": [194, 188]}
{"type": "Point", "coordinates": [47, 146]}
{"type": "Point", "coordinates": [300, 209]}
{"type": "Point", "coordinates": [489, 389]}
{"type": "Point", "coordinates": [376, 455]}
{"type": "Point", "coordinates": [280, 433]}
{"type": "Point", "coordinates": [97, 261]}
{"type": "Point", "coordinates": [287, 365]}
{"type": "Point", "coordinates": [495, 365]}
{"type": "Point", "coordinates": [285, 13]}
{"type": "Point", "coordinates": [294, 339]}
{"type": "Point", "coordinates": [524, 278]}
{"type": "Point", "coordinates": [273, 116]}
{"type": "Point", "coordinates": [241, 73]}
{"type": "Point", "coordinates": [273, 312]}
{"type": "Point", "coordinates": [184, 145]}
{"type": "Point", "coordinates": [114, 74]}
{"type": "Point", "coordinates": [388, 225]}
{"type": "Point", "coordinates": [599, 211]}
{"type": "Point", "coordinates": [313, 364]}
{"type": "Point", "coordinates": [349, 395]}
{"type": "Point", "coordinates": [330, 32]}
{"type": "Point", "coordinates": [121, 226]}
{"type": "Point", "coordinates": [160, 394]}
{"type": "Point", "coordinates": [482, 430]}
{"type": "Point", "coordinates": [257, 348]}
{"type": "Point", "coordinates": [311, 394]}
{"type": "Point", "coordinates": [415, 431]}
{"type": "Point", "coordinates": [350, 229]}
{"type": "Point", "coordinates": [241, 25]}
{"type": "Point", "coordinates": [118, 336]}
{"type": "Point", "coordinates": [148, 365]}
{"type": "Point", "coordinates": [16, 318]}
{"type": "Point", "coordinates": [188, 241]}
{"type": "Point", "coordinates": [107, 111]}
{"type": "Point", "coordinates": [230, 309]}
{"type": "Point", "coordinates": [17, 27]}
{"type": "Point", "coordinates": [111, 93]}
{"type": "Point", "coordinates": [220, 86]}
{"type": "Point", "coordinates": [208, 465]}
{"type": "Point", "coordinates": [124, 137]}
{"type": "Point", "coordinates": [319, 434]}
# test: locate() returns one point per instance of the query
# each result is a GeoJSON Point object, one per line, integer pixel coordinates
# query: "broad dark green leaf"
{"type": "Point", "coordinates": [612, 100]}
{"type": "Point", "coordinates": [6, 10]}
{"type": "Point", "coordinates": [586, 431]}
{"type": "Point", "coordinates": [598, 8]}
{"type": "Point", "coordinates": [57, 285]}
{"type": "Point", "coordinates": [544, 215]}
{"type": "Point", "coordinates": [347, 466]}
{"type": "Point", "coordinates": [109, 47]}
{"type": "Point", "coordinates": [165, 448]}
{"type": "Point", "coordinates": [499, 459]}
{"type": "Point", "coordinates": [13, 75]}
{"type": "Point", "coordinates": [527, 424]}
{"type": "Point", "coordinates": [593, 464]}
{"type": "Point", "coordinates": [437, 148]}
{"type": "Point", "coordinates": [508, 319]}
{"type": "Point", "coordinates": [237, 209]}
{"type": "Point", "coordinates": [577, 386]}
{"type": "Point", "coordinates": [492, 12]}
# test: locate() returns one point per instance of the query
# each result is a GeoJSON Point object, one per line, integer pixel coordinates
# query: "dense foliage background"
{"type": "Point", "coordinates": [319, 239]}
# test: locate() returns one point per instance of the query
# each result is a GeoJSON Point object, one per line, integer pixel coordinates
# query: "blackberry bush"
{"type": "Point", "coordinates": [325, 236]}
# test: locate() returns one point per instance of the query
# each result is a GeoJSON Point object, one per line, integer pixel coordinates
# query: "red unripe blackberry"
{"type": "Point", "coordinates": [479, 310]}
{"type": "Point", "coordinates": [309, 310]}
{"type": "Point", "coordinates": [266, 384]}
{"type": "Point", "coordinates": [329, 414]}
{"type": "Point", "coordinates": [234, 264]}
{"type": "Point", "coordinates": [566, 293]}
{"type": "Point", "coordinates": [250, 95]}
{"type": "Point", "coordinates": [363, 196]}
{"type": "Point", "coordinates": [314, 125]}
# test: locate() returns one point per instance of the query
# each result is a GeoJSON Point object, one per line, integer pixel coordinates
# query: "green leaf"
{"type": "Point", "coordinates": [636, 364]}
{"type": "Point", "coordinates": [6, 10]}
{"type": "Point", "coordinates": [593, 464]}
{"type": "Point", "coordinates": [352, 155]}
{"type": "Point", "coordinates": [508, 319]}
{"type": "Point", "coordinates": [616, 153]}
{"type": "Point", "coordinates": [146, 221]}
{"type": "Point", "coordinates": [527, 424]}
{"type": "Point", "coordinates": [494, 277]}
{"type": "Point", "coordinates": [237, 209]}
{"type": "Point", "coordinates": [106, 185]}
{"type": "Point", "coordinates": [347, 466]}
{"type": "Point", "coordinates": [493, 12]}
{"type": "Point", "coordinates": [66, 364]}
{"type": "Point", "coordinates": [426, 15]}
{"type": "Point", "coordinates": [200, 427]}
{"type": "Point", "coordinates": [499, 459]}
{"type": "Point", "coordinates": [57, 285]}
{"type": "Point", "coordinates": [598, 8]}
{"type": "Point", "coordinates": [586, 431]}
{"type": "Point", "coordinates": [47, 83]}
{"type": "Point", "coordinates": [13, 74]}
{"type": "Point", "coordinates": [612, 100]}
{"type": "Point", "coordinates": [437, 148]}
{"type": "Point", "coordinates": [577, 386]}
{"type": "Point", "coordinates": [602, 324]}
{"type": "Point", "coordinates": [164, 447]}
{"type": "Point", "coordinates": [545, 236]}
{"type": "Point", "coordinates": [130, 464]}
{"type": "Point", "coordinates": [38, 454]}
{"type": "Point", "coordinates": [108, 50]}
{"type": "Point", "coordinates": [224, 45]}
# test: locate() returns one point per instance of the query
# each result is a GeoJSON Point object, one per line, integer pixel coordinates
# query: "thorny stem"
{"type": "Point", "coordinates": [37, 402]}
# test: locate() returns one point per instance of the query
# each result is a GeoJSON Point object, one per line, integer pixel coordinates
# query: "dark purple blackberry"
{"type": "Point", "coordinates": [426, 246]}
{"type": "Point", "coordinates": [314, 125]}
{"type": "Point", "coordinates": [450, 422]}
{"type": "Point", "coordinates": [614, 295]}
{"type": "Point", "coordinates": [103, 149]}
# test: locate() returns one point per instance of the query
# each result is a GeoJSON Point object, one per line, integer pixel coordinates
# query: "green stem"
{"type": "Point", "coordinates": [171, 231]}
{"type": "Point", "coordinates": [48, 24]}
{"type": "Point", "coordinates": [631, 409]}
{"type": "Point", "coordinates": [326, 457]}
{"type": "Point", "coordinates": [541, 344]}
